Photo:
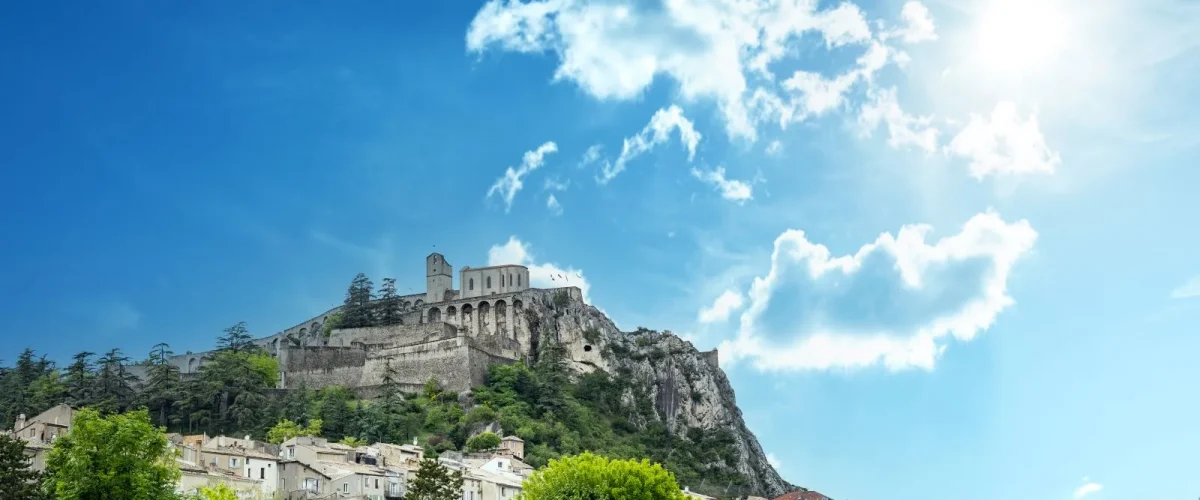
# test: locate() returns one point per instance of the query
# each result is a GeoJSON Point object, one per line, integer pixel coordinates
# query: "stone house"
{"type": "Point", "coordinates": [513, 446]}
{"type": "Point", "coordinates": [193, 477]}
{"type": "Point", "coordinates": [40, 432]}
{"type": "Point", "coordinates": [315, 466]}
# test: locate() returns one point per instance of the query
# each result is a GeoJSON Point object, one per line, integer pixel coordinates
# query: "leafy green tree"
{"type": "Point", "coordinates": [17, 482]}
{"type": "Point", "coordinates": [287, 429]}
{"type": "Point", "coordinates": [594, 477]}
{"type": "Point", "coordinates": [387, 308]}
{"type": "Point", "coordinates": [435, 482]}
{"type": "Point", "coordinates": [483, 441]}
{"type": "Point", "coordinates": [221, 491]}
{"type": "Point", "coordinates": [46, 391]}
{"type": "Point", "coordinates": [118, 456]}
{"type": "Point", "coordinates": [335, 411]}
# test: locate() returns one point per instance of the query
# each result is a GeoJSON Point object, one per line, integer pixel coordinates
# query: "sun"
{"type": "Point", "coordinates": [1018, 36]}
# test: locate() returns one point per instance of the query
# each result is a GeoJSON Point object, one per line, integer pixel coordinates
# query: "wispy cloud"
{"type": "Point", "coordinates": [553, 205]}
{"type": "Point", "coordinates": [592, 155]}
{"type": "Point", "coordinates": [508, 185]}
{"type": "Point", "coordinates": [1189, 289]}
{"type": "Point", "coordinates": [656, 132]}
{"type": "Point", "coordinates": [1089, 487]}
{"type": "Point", "coordinates": [733, 190]}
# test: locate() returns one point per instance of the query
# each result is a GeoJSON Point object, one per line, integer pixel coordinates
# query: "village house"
{"type": "Point", "coordinates": [40, 432]}
{"type": "Point", "coordinates": [314, 465]}
{"type": "Point", "coordinates": [192, 477]}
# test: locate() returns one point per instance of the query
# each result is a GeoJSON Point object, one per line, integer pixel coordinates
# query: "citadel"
{"type": "Point", "coordinates": [452, 335]}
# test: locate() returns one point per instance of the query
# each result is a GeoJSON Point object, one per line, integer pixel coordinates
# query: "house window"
{"type": "Point", "coordinates": [518, 280]}
{"type": "Point", "coordinates": [510, 279]}
{"type": "Point", "coordinates": [366, 482]}
{"type": "Point", "coordinates": [262, 472]}
{"type": "Point", "coordinates": [376, 483]}
{"type": "Point", "coordinates": [472, 284]}
{"type": "Point", "coordinates": [233, 462]}
{"type": "Point", "coordinates": [346, 487]}
{"type": "Point", "coordinates": [291, 452]}
{"type": "Point", "coordinates": [489, 281]}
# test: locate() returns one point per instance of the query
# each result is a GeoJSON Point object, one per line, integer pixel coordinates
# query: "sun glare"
{"type": "Point", "coordinates": [1018, 35]}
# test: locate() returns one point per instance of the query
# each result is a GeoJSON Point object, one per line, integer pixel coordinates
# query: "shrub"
{"type": "Point", "coordinates": [483, 441]}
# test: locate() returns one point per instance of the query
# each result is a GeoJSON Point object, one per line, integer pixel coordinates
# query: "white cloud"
{"type": "Point", "coordinates": [903, 129]}
{"type": "Point", "coordinates": [918, 24]}
{"type": "Point", "coordinates": [726, 304]}
{"type": "Point", "coordinates": [553, 205]}
{"type": "Point", "coordinates": [1187, 290]}
{"type": "Point", "coordinates": [893, 302]}
{"type": "Point", "coordinates": [709, 48]}
{"type": "Point", "coordinates": [556, 185]}
{"type": "Point", "coordinates": [774, 148]}
{"type": "Point", "coordinates": [1088, 488]}
{"type": "Point", "coordinates": [732, 190]}
{"type": "Point", "coordinates": [508, 185]}
{"type": "Point", "coordinates": [654, 133]}
{"type": "Point", "coordinates": [541, 275]}
{"type": "Point", "coordinates": [592, 155]}
{"type": "Point", "coordinates": [1003, 144]}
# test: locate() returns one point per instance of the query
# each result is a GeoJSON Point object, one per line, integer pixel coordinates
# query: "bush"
{"type": "Point", "coordinates": [593, 476]}
{"type": "Point", "coordinates": [592, 335]}
{"type": "Point", "coordinates": [483, 441]}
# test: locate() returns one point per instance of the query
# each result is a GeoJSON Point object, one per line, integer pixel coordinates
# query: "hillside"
{"type": "Point", "coordinates": [582, 385]}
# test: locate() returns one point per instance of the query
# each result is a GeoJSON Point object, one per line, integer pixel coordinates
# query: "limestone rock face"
{"type": "Point", "coordinates": [687, 386]}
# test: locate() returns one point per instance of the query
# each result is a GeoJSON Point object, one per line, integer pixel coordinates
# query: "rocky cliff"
{"type": "Point", "coordinates": [687, 387]}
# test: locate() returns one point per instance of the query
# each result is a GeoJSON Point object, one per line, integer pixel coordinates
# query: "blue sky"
{"type": "Point", "coordinates": [946, 248]}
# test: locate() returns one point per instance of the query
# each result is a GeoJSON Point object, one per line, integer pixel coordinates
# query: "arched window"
{"type": "Point", "coordinates": [471, 284]}
{"type": "Point", "coordinates": [489, 281]}
{"type": "Point", "coordinates": [518, 279]}
{"type": "Point", "coordinates": [509, 279]}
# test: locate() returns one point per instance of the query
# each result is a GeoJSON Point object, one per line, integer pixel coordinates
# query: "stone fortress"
{"type": "Point", "coordinates": [453, 335]}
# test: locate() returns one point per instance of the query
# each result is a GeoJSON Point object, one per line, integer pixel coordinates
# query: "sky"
{"type": "Point", "coordinates": [945, 249]}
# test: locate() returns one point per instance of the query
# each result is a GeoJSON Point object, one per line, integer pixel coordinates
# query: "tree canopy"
{"type": "Point", "coordinates": [593, 477]}
{"type": "Point", "coordinates": [435, 482]}
{"type": "Point", "coordinates": [118, 456]}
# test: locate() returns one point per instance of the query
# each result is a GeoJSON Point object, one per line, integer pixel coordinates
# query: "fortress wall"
{"type": "Point", "coordinates": [393, 334]}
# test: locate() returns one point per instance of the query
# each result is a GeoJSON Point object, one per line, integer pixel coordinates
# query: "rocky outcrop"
{"type": "Point", "coordinates": [687, 386]}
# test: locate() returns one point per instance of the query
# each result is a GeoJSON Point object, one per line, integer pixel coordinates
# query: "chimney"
{"type": "Point", "coordinates": [20, 422]}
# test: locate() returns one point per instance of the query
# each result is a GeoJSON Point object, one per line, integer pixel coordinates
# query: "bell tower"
{"type": "Point", "coordinates": [439, 277]}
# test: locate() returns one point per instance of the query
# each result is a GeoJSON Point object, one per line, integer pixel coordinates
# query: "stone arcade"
{"type": "Point", "coordinates": [453, 335]}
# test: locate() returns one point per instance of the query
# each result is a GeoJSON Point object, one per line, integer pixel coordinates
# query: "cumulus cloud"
{"type": "Point", "coordinates": [1188, 290]}
{"type": "Point", "coordinates": [553, 205]}
{"type": "Point", "coordinates": [726, 304]}
{"type": "Point", "coordinates": [896, 301]}
{"type": "Point", "coordinates": [710, 48]}
{"type": "Point", "coordinates": [774, 148]}
{"type": "Point", "coordinates": [732, 190]}
{"type": "Point", "coordinates": [656, 132]}
{"type": "Point", "coordinates": [508, 185]}
{"type": "Point", "coordinates": [918, 24]}
{"type": "Point", "coordinates": [1088, 488]}
{"type": "Point", "coordinates": [541, 274]}
{"type": "Point", "coordinates": [903, 129]}
{"type": "Point", "coordinates": [1003, 144]}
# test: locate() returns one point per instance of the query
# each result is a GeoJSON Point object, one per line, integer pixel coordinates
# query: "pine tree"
{"type": "Point", "coordinates": [114, 383]}
{"type": "Point", "coordinates": [80, 375]}
{"type": "Point", "coordinates": [17, 481]}
{"type": "Point", "coordinates": [161, 392]}
{"type": "Point", "coordinates": [388, 306]}
{"type": "Point", "coordinates": [552, 376]}
{"type": "Point", "coordinates": [356, 310]}
{"type": "Point", "coordinates": [435, 482]}
{"type": "Point", "coordinates": [236, 339]}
